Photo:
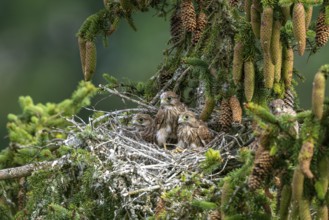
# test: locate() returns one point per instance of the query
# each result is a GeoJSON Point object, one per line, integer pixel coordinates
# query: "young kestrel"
{"type": "Point", "coordinates": [278, 107]}
{"type": "Point", "coordinates": [166, 118]}
{"type": "Point", "coordinates": [192, 132]}
{"type": "Point", "coordinates": [144, 126]}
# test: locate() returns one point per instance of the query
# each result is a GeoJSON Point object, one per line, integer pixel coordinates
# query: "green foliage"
{"type": "Point", "coordinates": [212, 162]}
{"type": "Point", "coordinates": [39, 123]}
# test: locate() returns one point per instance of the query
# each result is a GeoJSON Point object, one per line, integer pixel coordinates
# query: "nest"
{"type": "Point", "coordinates": [136, 172]}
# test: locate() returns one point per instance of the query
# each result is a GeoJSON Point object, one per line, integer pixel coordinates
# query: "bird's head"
{"type": "Point", "coordinates": [169, 98]}
{"type": "Point", "coordinates": [142, 120]}
{"type": "Point", "coordinates": [187, 117]}
{"type": "Point", "coordinates": [277, 106]}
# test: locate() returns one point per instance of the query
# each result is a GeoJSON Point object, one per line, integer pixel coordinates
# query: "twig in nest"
{"type": "Point", "coordinates": [166, 86]}
{"type": "Point", "coordinates": [117, 93]}
{"type": "Point", "coordinates": [147, 189]}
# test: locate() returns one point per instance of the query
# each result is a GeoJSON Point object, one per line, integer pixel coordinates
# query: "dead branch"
{"type": "Point", "coordinates": [117, 93]}
{"type": "Point", "coordinates": [26, 170]}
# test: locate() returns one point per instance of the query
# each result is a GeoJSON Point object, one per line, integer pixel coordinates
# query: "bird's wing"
{"type": "Point", "coordinates": [159, 118]}
{"type": "Point", "coordinates": [204, 134]}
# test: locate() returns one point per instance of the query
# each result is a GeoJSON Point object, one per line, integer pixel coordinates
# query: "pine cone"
{"type": "Point", "coordinates": [275, 42]}
{"type": "Point", "coordinates": [164, 77]}
{"type": "Point", "coordinates": [255, 20]}
{"type": "Point", "coordinates": [298, 20]}
{"type": "Point", "coordinates": [225, 117]}
{"type": "Point", "coordinates": [176, 27]}
{"type": "Point", "coordinates": [202, 21]}
{"type": "Point", "coordinates": [266, 30]}
{"type": "Point", "coordinates": [233, 3]}
{"type": "Point", "coordinates": [82, 50]}
{"type": "Point", "coordinates": [214, 215]}
{"type": "Point", "coordinates": [268, 71]}
{"type": "Point", "coordinates": [201, 24]}
{"type": "Point", "coordinates": [262, 167]}
{"type": "Point", "coordinates": [249, 80]}
{"type": "Point", "coordinates": [287, 65]}
{"type": "Point", "coordinates": [90, 62]}
{"type": "Point", "coordinates": [322, 31]}
{"type": "Point", "coordinates": [237, 62]}
{"type": "Point", "coordinates": [278, 65]}
{"type": "Point", "coordinates": [188, 15]}
{"type": "Point", "coordinates": [236, 109]}
{"type": "Point", "coordinates": [289, 98]}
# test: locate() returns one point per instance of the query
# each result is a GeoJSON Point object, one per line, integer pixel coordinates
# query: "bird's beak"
{"type": "Point", "coordinates": [163, 101]}
{"type": "Point", "coordinates": [277, 109]}
{"type": "Point", "coordinates": [134, 122]}
{"type": "Point", "coordinates": [180, 120]}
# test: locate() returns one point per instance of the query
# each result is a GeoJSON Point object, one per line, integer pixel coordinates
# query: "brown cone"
{"type": "Point", "coordinates": [201, 25]}
{"type": "Point", "coordinates": [298, 20]}
{"type": "Point", "coordinates": [236, 109]}
{"type": "Point", "coordinates": [90, 61]}
{"type": "Point", "coordinates": [233, 3]}
{"type": "Point", "coordinates": [176, 27]}
{"type": "Point", "coordinates": [322, 31]}
{"type": "Point", "coordinates": [262, 167]}
{"type": "Point", "coordinates": [188, 15]}
{"type": "Point", "coordinates": [225, 117]}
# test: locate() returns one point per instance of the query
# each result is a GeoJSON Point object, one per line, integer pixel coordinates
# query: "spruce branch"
{"type": "Point", "coordinates": [26, 170]}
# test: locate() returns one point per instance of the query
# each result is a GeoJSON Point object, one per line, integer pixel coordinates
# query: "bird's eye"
{"type": "Point", "coordinates": [141, 120]}
{"type": "Point", "coordinates": [186, 116]}
{"type": "Point", "coordinates": [169, 98]}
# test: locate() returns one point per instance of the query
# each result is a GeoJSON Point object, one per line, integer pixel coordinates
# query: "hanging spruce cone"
{"type": "Point", "coordinates": [247, 6]}
{"type": "Point", "coordinates": [237, 62]}
{"type": "Point", "coordinates": [322, 31]}
{"type": "Point", "coordinates": [249, 80]}
{"type": "Point", "coordinates": [278, 65]}
{"type": "Point", "coordinates": [255, 20]}
{"type": "Point", "coordinates": [266, 30]}
{"type": "Point", "coordinates": [82, 50]}
{"type": "Point", "coordinates": [236, 109]}
{"type": "Point", "coordinates": [287, 65]}
{"type": "Point", "coordinates": [90, 62]}
{"type": "Point", "coordinates": [318, 94]}
{"type": "Point", "coordinates": [268, 72]}
{"type": "Point", "coordinates": [188, 15]}
{"type": "Point", "coordinates": [214, 215]}
{"type": "Point", "coordinates": [308, 16]}
{"type": "Point", "coordinates": [298, 20]}
{"type": "Point", "coordinates": [225, 117]}
{"type": "Point", "coordinates": [201, 25]}
{"type": "Point", "coordinates": [233, 3]}
{"type": "Point", "coordinates": [176, 27]}
{"type": "Point", "coordinates": [289, 98]}
{"type": "Point", "coordinates": [261, 169]}
{"type": "Point", "coordinates": [275, 42]}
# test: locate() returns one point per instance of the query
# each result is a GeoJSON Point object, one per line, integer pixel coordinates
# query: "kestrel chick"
{"type": "Point", "coordinates": [192, 132]}
{"type": "Point", "coordinates": [167, 116]}
{"type": "Point", "coordinates": [145, 127]}
{"type": "Point", "coordinates": [278, 107]}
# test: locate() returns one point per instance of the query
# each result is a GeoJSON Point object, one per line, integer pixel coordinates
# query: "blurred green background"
{"type": "Point", "coordinates": [39, 54]}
